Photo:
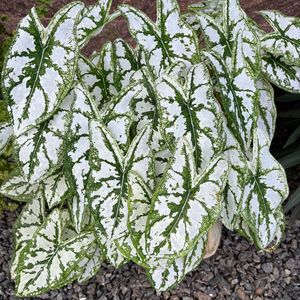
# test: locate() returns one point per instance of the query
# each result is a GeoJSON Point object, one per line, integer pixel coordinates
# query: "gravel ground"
{"type": "Point", "coordinates": [236, 271]}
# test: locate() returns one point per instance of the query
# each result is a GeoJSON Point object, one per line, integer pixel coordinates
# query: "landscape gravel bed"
{"type": "Point", "coordinates": [236, 271]}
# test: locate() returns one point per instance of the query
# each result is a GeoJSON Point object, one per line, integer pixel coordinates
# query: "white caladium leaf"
{"type": "Point", "coordinates": [76, 162]}
{"type": "Point", "coordinates": [92, 20]}
{"type": "Point", "coordinates": [285, 40]}
{"type": "Point", "coordinates": [40, 149]}
{"type": "Point", "coordinates": [15, 187]}
{"type": "Point", "coordinates": [119, 115]}
{"type": "Point", "coordinates": [191, 110]}
{"type": "Point", "coordinates": [108, 183]}
{"type": "Point", "coordinates": [39, 69]}
{"type": "Point", "coordinates": [55, 189]}
{"type": "Point", "coordinates": [166, 41]}
{"type": "Point", "coordinates": [108, 73]}
{"type": "Point", "coordinates": [168, 273]}
{"type": "Point", "coordinates": [234, 191]}
{"type": "Point", "coordinates": [267, 110]}
{"type": "Point", "coordinates": [30, 219]}
{"type": "Point", "coordinates": [90, 264]}
{"type": "Point", "coordinates": [235, 21]}
{"type": "Point", "coordinates": [239, 94]}
{"type": "Point", "coordinates": [266, 188]}
{"type": "Point", "coordinates": [185, 205]}
{"type": "Point", "coordinates": [47, 260]}
{"type": "Point", "coordinates": [6, 132]}
{"type": "Point", "coordinates": [285, 76]}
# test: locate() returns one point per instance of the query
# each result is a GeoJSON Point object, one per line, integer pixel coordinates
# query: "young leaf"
{"type": "Point", "coordinates": [191, 110]}
{"type": "Point", "coordinates": [30, 219]}
{"type": "Point", "coordinates": [184, 206]}
{"type": "Point", "coordinates": [285, 40]}
{"type": "Point", "coordinates": [47, 260]}
{"type": "Point", "coordinates": [39, 69]}
{"type": "Point", "coordinates": [92, 20]}
{"type": "Point", "coordinates": [265, 190]}
{"type": "Point", "coordinates": [166, 41]}
{"type": "Point", "coordinates": [76, 159]}
{"type": "Point", "coordinates": [285, 76]}
{"type": "Point", "coordinates": [40, 149]}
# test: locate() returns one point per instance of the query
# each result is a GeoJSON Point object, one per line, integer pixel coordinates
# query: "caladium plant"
{"type": "Point", "coordinates": [137, 153]}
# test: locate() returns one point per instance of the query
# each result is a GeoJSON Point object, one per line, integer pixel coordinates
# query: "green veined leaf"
{"type": "Point", "coordinates": [265, 190]}
{"type": "Point", "coordinates": [118, 116]}
{"type": "Point", "coordinates": [167, 273]}
{"type": "Point", "coordinates": [191, 110]}
{"type": "Point", "coordinates": [239, 94]}
{"type": "Point", "coordinates": [76, 159]}
{"type": "Point", "coordinates": [15, 187]}
{"type": "Point", "coordinates": [40, 149]}
{"type": "Point", "coordinates": [92, 20]}
{"type": "Point", "coordinates": [47, 260]}
{"type": "Point", "coordinates": [185, 205]}
{"type": "Point", "coordinates": [108, 182]}
{"type": "Point", "coordinates": [234, 191]}
{"type": "Point", "coordinates": [55, 189]}
{"type": "Point", "coordinates": [267, 110]}
{"type": "Point", "coordinates": [30, 219]}
{"type": "Point", "coordinates": [166, 41]}
{"type": "Point", "coordinates": [109, 72]}
{"type": "Point", "coordinates": [91, 264]}
{"type": "Point", "coordinates": [285, 76]}
{"type": "Point", "coordinates": [6, 132]}
{"type": "Point", "coordinates": [235, 21]}
{"type": "Point", "coordinates": [285, 40]}
{"type": "Point", "coordinates": [39, 69]}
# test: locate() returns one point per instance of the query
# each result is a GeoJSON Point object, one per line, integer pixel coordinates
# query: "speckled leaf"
{"type": "Point", "coordinates": [185, 205]}
{"type": "Point", "coordinates": [266, 188]}
{"type": "Point", "coordinates": [92, 20]}
{"type": "Point", "coordinates": [169, 273]}
{"type": "Point", "coordinates": [119, 116]}
{"type": "Point", "coordinates": [40, 149]}
{"type": "Point", "coordinates": [6, 132]}
{"type": "Point", "coordinates": [267, 110]}
{"type": "Point", "coordinates": [285, 40]}
{"type": "Point", "coordinates": [108, 73]}
{"type": "Point", "coordinates": [76, 162]}
{"type": "Point", "coordinates": [47, 260]}
{"type": "Point", "coordinates": [30, 219]}
{"type": "Point", "coordinates": [235, 21]}
{"type": "Point", "coordinates": [191, 110]}
{"type": "Point", "coordinates": [285, 76]}
{"type": "Point", "coordinates": [39, 69]}
{"type": "Point", "coordinates": [15, 187]}
{"type": "Point", "coordinates": [167, 41]}
{"type": "Point", "coordinates": [90, 264]}
{"type": "Point", "coordinates": [239, 94]}
{"type": "Point", "coordinates": [108, 183]}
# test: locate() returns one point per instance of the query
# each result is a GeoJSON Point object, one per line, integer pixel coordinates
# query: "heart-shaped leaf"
{"type": "Point", "coordinates": [184, 205]}
{"type": "Point", "coordinates": [6, 132]}
{"type": "Point", "coordinates": [166, 41]}
{"type": "Point", "coordinates": [285, 40]}
{"type": "Point", "coordinates": [39, 69]}
{"type": "Point", "coordinates": [47, 260]}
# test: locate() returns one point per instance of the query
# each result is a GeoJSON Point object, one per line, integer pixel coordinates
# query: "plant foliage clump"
{"type": "Point", "coordinates": [134, 154]}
